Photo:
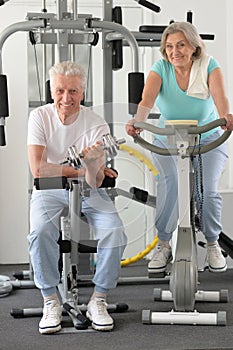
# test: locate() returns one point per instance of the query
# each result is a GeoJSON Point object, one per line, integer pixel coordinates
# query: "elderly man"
{"type": "Point", "coordinates": [52, 129]}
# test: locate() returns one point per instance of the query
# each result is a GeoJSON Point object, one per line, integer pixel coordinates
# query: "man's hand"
{"type": "Point", "coordinates": [110, 173]}
{"type": "Point", "coordinates": [93, 153]}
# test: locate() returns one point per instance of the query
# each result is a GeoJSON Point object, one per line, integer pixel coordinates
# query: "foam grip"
{"type": "Point", "coordinates": [149, 5]}
{"type": "Point", "coordinates": [139, 194]}
{"type": "Point", "coordinates": [48, 97]}
{"type": "Point", "coordinates": [2, 136]}
{"type": "Point", "coordinates": [4, 111]}
{"type": "Point", "coordinates": [135, 88]}
{"type": "Point", "coordinates": [87, 246]}
{"type": "Point", "coordinates": [108, 182]}
{"type": "Point", "coordinates": [51, 183]}
{"type": "Point", "coordinates": [190, 17]}
{"type": "Point", "coordinates": [226, 243]}
{"type": "Point", "coordinates": [152, 29]}
{"type": "Point", "coordinates": [117, 52]}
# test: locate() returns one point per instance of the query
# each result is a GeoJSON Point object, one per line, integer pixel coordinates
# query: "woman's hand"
{"type": "Point", "coordinates": [229, 122]}
{"type": "Point", "coordinates": [130, 129]}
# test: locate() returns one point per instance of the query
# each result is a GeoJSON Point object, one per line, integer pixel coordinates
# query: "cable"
{"type": "Point", "coordinates": [141, 254]}
{"type": "Point", "coordinates": [33, 42]}
{"type": "Point", "coordinates": [155, 172]}
{"type": "Point", "coordinates": [141, 157]}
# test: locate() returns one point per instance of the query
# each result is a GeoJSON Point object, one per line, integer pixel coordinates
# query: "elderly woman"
{"type": "Point", "coordinates": [186, 84]}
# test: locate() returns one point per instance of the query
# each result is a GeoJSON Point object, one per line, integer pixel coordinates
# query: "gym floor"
{"type": "Point", "coordinates": [129, 331]}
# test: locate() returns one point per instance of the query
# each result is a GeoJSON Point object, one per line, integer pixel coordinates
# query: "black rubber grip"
{"type": "Point", "coordinates": [152, 29]}
{"type": "Point", "coordinates": [108, 182]}
{"type": "Point", "coordinates": [48, 97]}
{"type": "Point", "coordinates": [87, 246]}
{"type": "Point", "coordinates": [139, 194]}
{"type": "Point", "coordinates": [51, 183]}
{"type": "Point", "coordinates": [4, 111]}
{"type": "Point", "coordinates": [2, 136]}
{"type": "Point", "coordinates": [17, 313]}
{"type": "Point", "coordinates": [149, 5]}
{"type": "Point", "coordinates": [135, 88]}
{"type": "Point", "coordinates": [226, 243]}
{"type": "Point", "coordinates": [117, 50]}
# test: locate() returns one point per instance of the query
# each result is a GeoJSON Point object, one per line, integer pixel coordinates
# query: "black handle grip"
{"type": "Point", "coordinates": [2, 136]}
{"type": "Point", "coordinates": [51, 183]}
{"type": "Point", "coordinates": [135, 88]}
{"type": "Point", "coordinates": [4, 112]}
{"type": "Point", "coordinates": [149, 5]}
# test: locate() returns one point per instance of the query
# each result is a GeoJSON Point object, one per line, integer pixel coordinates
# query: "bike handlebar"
{"type": "Point", "coordinates": [192, 130]}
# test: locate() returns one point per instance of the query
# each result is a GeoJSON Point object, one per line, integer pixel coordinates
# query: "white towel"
{"type": "Point", "coordinates": [198, 79]}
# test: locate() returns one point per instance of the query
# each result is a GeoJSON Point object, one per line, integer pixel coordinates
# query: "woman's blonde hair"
{"type": "Point", "coordinates": [191, 34]}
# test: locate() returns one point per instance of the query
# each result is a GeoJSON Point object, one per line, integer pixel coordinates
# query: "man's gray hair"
{"type": "Point", "coordinates": [191, 34]}
{"type": "Point", "coordinates": [68, 68]}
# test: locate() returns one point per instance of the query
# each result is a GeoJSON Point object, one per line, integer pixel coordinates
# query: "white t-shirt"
{"type": "Point", "coordinates": [46, 129]}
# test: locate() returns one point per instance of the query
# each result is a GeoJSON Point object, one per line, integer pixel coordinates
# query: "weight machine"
{"type": "Point", "coordinates": [182, 136]}
{"type": "Point", "coordinates": [70, 243]}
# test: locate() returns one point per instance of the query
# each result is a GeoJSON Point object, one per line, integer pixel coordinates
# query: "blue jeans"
{"type": "Point", "coordinates": [167, 191]}
{"type": "Point", "coordinates": [47, 207]}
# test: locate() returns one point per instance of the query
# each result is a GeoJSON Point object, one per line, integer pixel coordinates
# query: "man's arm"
{"type": "Point", "coordinates": [94, 170]}
{"type": "Point", "coordinates": [94, 164]}
{"type": "Point", "coordinates": [39, 166]}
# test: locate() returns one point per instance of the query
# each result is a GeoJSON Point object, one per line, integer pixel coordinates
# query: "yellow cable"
{"type": "Point", "coordinates": [155, 172]}
{"type": "Point", "coordinates": [141, 157]}
{"type": "Point", "coordinates": [141, 254]}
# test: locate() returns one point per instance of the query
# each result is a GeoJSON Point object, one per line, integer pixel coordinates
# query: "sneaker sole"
{"type": "Point", "coordinates": [159, 269]}
{"type": "Point", "coordinates": [104, 328]}
{"type": "Point", "coordinates": [222, 269]}
{"type": "Point", "coordinates": [154, 270]}
{"type": "Point", "coordinates": [50, 330]}
{"type": "Point", "coordinates": [99, 327]}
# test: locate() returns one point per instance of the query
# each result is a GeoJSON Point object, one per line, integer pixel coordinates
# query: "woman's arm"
{"type": "Point", "coordinates": [217, 91]}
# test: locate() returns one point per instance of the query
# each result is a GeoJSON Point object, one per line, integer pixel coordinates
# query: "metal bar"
{"type": "Point", "coordinates": [127, 35]}
{"type": "Point", "coordinates": [17, 27]}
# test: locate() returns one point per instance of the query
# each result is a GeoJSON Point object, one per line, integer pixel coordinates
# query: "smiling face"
{"type": "Point", "coordinates": [67, 93]}
{"type": "Point", "coordinates": [178, 49]}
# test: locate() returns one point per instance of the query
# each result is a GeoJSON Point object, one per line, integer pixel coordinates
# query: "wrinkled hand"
{"type": "Point", "coordinates": [229, 122]}
{"type": "Point", "coordinates": [93, 153]}
{"type": "Point", "coordinates": [110, 173]}
{"type": "Point", "coordinates": [130, 129]}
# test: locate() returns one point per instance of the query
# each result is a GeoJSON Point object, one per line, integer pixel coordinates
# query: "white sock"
{"type": "Point", "coordinates": [50, 298]}
{"type": "Point", "coordinates": [98, 295]}
{"type": "Point", "coordinates": [164, 243]}
{"type": "Point", "coordinates": [209, 244]}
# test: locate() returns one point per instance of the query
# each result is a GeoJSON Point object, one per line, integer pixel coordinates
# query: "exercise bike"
{"type": "Point", "coordinates": [183, 137]}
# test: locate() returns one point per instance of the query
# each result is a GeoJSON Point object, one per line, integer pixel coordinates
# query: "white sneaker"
{"type": "Point", "coordinates": [98, 314]}
{"type": "Point", "coordinates": [161, 257]}
{"type": "Point", "coordinates": [215, 259]}
{"type": "Point", "coordinates": [51, 320]}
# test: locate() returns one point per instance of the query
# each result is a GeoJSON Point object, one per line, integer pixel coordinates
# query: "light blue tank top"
{"type": "Point", "coordinates": [174, 103]}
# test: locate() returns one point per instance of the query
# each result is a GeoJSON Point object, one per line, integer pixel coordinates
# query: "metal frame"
{"type": "Point", "coordinates": [184, 275]}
